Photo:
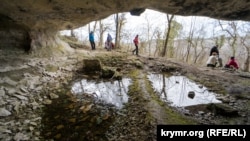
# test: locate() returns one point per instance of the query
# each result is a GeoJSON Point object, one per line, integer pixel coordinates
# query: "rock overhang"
{"type": "Point", "coordinates": [65, 14]}
{"type": "Point", "coordinates": [33, 24]}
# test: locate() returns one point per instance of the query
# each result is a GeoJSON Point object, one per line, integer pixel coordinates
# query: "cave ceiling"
{"type": "Point", "coordinates": [69, 14]}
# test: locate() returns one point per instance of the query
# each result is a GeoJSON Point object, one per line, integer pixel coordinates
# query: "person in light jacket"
{"type": "Point", "coordinates": [212, 60]}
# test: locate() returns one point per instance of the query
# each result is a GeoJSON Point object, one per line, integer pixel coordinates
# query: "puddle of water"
{"type": "Point", "coordinates": [175, 90]}
{"type": "Point", "coordinates": [114, 92]}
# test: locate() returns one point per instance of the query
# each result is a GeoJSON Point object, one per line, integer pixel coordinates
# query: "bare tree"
{"type": "Point", "coordinates": [176, 27]}
{"type": "Point", "coordinates": [197, 43]}
{"type": "Point", "coordinates": [232, 31]}
{"type": "Point", "coordinates": [117, 30]}
{"type": "Point", "coordinates": [158, 42]}
{"type": "Point", "coordinates": [170, 19]}
{"type": "Point", "coordinates": [148, 28]}
{"type": "Point", "coordinates": [101, 32]}
{"type": "Point", "coordinates": [220, 41]}
{"type": "Point", "coordinates": [102, 28]}
{"type": "Point", "coordinates": [94, 27]}
{"type": "Point", "coordinates": [154, 35]}
{"type": "Point", "coordinates": [190, 38]}
{"type": "Point", "coordinates": [245, 41]}
{"type": "Point", "coordinates": [247, 49]}
{"type": "Point", "coordinates": [120, 22]}
{"type": "Point", "coordinates": [72, 34]}
{"type": "Point", "coordinates": [199, 48]}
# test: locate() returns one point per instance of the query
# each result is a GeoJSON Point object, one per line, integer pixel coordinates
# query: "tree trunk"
{"type": "Point", "coordinates": [117, 30]}
{"type": "Point", "coordinates": [247, 60]}
{"type": "Point", "coordinates": [164, 52]}
{"type": "Point", "coordinates": [101, 33]}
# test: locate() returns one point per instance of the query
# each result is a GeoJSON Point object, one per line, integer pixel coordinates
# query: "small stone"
{"type": "Point", "coordinates": [21, 97]}
{"type": "Point", "coordinates": [31, 128]}
{"type": "Point", "coordinates": [200, 86]}
{"type": "Point", "coordinates": [21, 137]}
{"type": "Point", "coordinates": [4, 112]}
{"type": "Point", "coordinates": [47, 102]}
{"type": "Point", "coordinates": [53, 96]}
{"type": "Point", "coordinates": [60, 127]}
{"type": "Point", "coordinates": [4, 130]}
{"type": "Point", "coordinates": [191, 94]}
{"type": "Point", "coordinates": [33, 123]}
{"type": "Point", "coordinates": [23, 90]}
{"type": "Point", "coordinates": [2, 93]}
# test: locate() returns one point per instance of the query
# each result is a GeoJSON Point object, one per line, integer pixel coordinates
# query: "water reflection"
{"type": "Point", "coordinates": [178, 90]}
{"type": "Point", "coordinates": [114, 92]}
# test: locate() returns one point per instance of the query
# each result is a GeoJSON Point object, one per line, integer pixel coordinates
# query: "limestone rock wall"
{"type": "Point", "coordinates": [13, 35]}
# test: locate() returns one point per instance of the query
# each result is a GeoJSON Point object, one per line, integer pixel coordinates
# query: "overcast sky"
{"type": "Point", "coordinates": [138, 25]}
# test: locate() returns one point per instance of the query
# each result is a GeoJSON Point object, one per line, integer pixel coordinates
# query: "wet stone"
{"type": "Point", "coordinates": [191, 94]}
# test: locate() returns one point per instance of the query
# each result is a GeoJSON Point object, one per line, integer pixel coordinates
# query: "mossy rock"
{"type": "Point", "coordinates": [92, 66]}
{"type": "Point", "coordinates": [138, 64]}
{"type": "Point", "coordinates": [107, 73]}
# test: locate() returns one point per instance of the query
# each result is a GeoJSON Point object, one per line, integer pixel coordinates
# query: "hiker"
{"type": "Point", "coordinates": [92, 40]}
{"type": "Point", "coordinates": [136, 42]}
{"type": "Point", "coordinates": [215, 49]}
{"type": "Point", "coordinates": [232, 64]}
{"type": "Point", "coordinates": [109, 42]}
{"type": "Point", "coordinates": [212, 60]}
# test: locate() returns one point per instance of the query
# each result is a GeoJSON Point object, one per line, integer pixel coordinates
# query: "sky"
{"type": "Point", "coordinates": [150, 18]}
{"type": "Point", "coordinates": [134, 24]}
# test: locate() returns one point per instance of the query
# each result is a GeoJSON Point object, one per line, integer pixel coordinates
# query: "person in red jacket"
{"type": "Point", "coordinates": [136, 42]}
{"type": "Point", "coordinates": [232, 64]}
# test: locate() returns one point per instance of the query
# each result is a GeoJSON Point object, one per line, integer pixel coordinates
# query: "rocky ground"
{"type": "Point", "coordinates": [36, 102]}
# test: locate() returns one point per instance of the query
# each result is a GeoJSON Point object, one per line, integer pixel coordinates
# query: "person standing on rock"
{"type": "Point", "coordinates": [109, 42]}
{"type": "Point", "coordinates": [92, 40]}
{"type": "Point", "coordinates": [215, 49]}
{"type": "Point", "coordinates": [136, 42]}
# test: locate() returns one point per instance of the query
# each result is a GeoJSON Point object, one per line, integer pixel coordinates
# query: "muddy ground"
{"type": "Point", "coordinates": [81, 118]}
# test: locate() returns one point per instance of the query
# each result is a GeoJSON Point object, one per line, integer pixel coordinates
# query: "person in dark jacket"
{"type": "Point", "coordinates": [109, 42]}
{"type": "Point", "coordinates": [214, 49]}
{"type": "Point", "coordinates": [92, 40]}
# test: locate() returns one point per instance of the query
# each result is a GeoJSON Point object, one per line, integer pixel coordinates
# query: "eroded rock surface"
{"type": "Point", "coordinates": [62, 14]}
{"type": "Point", "coordinates": [33, 24]}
